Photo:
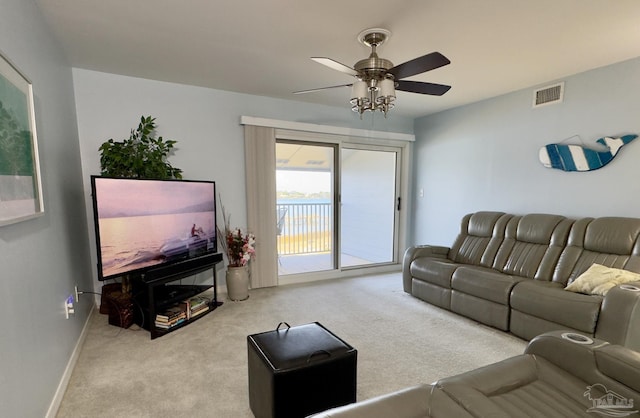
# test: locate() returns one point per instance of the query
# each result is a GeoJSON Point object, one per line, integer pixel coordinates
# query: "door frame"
{"type": "Point", "coordinates": [405, 149]}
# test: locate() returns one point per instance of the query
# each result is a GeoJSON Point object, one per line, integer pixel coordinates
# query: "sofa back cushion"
{"type": "Point", "coordinates": [481, 234]}
{"type": "Point", "coordinates": [609, 241]}
{"type": "Point", "coordinates": [532, 245]}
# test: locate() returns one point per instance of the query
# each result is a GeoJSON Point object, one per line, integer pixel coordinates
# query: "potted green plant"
{"type": "Point", "coordinates": [140, 156]}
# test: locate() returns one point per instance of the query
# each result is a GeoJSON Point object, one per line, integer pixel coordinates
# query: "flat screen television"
{"type": "Point", "coordinates": [145, 224]}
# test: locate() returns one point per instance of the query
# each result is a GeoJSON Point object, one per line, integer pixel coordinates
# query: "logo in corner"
{"type": "Point", "coordinates": [607, 402]}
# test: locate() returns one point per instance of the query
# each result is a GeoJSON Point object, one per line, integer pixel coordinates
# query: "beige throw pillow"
{"type": "Point", "coordinates": [599, 279]}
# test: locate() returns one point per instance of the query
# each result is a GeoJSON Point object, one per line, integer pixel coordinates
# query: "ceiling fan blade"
{"type": "Point", "coordinates": [419, 65]}
{"type": "Point", "coordinates": [335, 65]}
{"type": "Point", "coordinates": [321, 88]}
{"type": "Point", "coordinates": [422, 88]}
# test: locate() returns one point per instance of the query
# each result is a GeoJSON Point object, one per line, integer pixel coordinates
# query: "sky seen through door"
{"type": "Point", "coordinates": [303, 181]}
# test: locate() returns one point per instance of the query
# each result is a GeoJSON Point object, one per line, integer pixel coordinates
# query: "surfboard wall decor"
{"type": "Point", "coordinates": [578, 158]}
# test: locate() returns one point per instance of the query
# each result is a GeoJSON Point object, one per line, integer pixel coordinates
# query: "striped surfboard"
{"type": "Point", "coordinates": [578, 158]}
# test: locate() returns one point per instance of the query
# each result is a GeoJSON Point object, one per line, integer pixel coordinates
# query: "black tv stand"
{"type": "Point", "coordinates": [154, 292]}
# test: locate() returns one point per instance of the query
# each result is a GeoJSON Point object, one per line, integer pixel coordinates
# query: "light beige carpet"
{"type": "Point", "coordinates": [201, 370]}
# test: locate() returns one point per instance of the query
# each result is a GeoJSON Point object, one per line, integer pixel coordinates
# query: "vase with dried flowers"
{"type": "Point", "coordinates": [240, 250]}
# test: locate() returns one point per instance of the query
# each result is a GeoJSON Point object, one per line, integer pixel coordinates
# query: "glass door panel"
{"type": "Point", "coordinates": [305, 207]}
{"type": "Point", "coordinates": [368, 206]}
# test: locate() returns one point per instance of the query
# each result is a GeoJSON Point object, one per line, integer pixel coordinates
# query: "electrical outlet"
{"type": "Point", "coordinates": [68, 307]}
{"type": "Point", "coordinates": [421, 192]}
{"type": "Point", "coordinates": [75, 289]}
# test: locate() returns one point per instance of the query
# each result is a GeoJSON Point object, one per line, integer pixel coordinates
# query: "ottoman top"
{"type": "Point", "coordinates": [300, 346]}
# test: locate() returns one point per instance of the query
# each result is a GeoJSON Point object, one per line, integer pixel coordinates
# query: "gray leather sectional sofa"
{"type": "Point", "coordinates": [558, 376]}
{"type": "Point", "coordinates": [509, 272]}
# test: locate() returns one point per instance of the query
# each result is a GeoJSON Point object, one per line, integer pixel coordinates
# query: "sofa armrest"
{"type": "Point", "coordinates": [621, 364]}
{"type": "Point", "coordinates": [589, 362]}
{"type": "Point", "coordinates": [619, 319]}
{"type": "Point", "coordinates": [416, 252]}
{"type": "Point", "coordinates": [568, 350]}
{"type": "Point", "coordinates": [406, 403]}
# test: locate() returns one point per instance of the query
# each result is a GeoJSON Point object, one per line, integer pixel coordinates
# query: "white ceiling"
{"type": "Point", "coordinates": [263, 47]}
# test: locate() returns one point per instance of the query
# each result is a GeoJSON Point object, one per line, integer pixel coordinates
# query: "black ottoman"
{"type": "Point", "coordinates": [297, 371]}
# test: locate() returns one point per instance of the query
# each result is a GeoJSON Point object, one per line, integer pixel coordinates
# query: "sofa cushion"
{"type": "Point", "coordinates": [609, 241]}
{"type": "Point", "coordinates": [484, 283]}
{"type": "Point", "coordinates": [612, 235]}
{"type": "Point", "coordinates": [538, 228]}
{"type": "Point", "coordinates": [437, 271]}
{"type": "Point", "coordinates": [481, 234]}
{"type": "Point", "coordinates": [549, 301]}
{"type": "Point", "coordinates": [599, 279]}
{"type": "Point", "coordinates": [532, 245]}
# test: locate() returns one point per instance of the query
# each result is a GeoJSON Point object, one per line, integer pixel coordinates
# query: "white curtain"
{"type": "Point", "coordinates": [260, 163]}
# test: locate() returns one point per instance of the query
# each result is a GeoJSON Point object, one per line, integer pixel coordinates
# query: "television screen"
{"type": "Point", "coordinates": [142, 224]}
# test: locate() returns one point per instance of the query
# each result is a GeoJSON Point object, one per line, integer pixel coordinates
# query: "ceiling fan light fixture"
{"type": "Point", "coordinates": [360, 90]}
{"type": "Point", "coordinates": [386, 95]}
{"type": "Point", "coordinates": [373, 95]}
{"type": "Point", "coordinates": [387, 89]}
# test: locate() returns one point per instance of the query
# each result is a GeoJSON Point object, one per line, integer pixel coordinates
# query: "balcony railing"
{"type": "Point", "coordinates": [304, 228]}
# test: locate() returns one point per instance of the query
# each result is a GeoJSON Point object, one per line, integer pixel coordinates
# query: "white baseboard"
{"type": "Point", "coordinates": [64, 382]}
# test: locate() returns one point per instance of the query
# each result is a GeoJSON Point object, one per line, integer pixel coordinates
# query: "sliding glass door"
{"type": "Point", "coordinates": [337, 205]}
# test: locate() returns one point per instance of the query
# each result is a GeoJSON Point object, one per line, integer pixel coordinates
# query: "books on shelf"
{"type": "Point", "coordinates": [182, 311]}
{"type": "Point", "coordinates": [172, 312]}
{"type": "Point", "coordinates": [196, 306]}
{"type": "Point", "coordinates": [199, 311]}
{"type": "Point", "coordinates": [170, 324]}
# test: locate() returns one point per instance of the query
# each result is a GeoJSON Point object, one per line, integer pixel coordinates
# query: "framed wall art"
{"type": "Point", "coordinates": [20, 182]}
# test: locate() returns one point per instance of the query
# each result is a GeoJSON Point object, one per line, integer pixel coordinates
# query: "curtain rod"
{"type": "Point", "coordinates": [336, 130]}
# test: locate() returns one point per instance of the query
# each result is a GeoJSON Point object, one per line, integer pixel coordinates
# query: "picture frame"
{"type": "Point", "coordinates": [20, 181]}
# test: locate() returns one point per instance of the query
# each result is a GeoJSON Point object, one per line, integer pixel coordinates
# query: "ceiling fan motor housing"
{"type": "Point", "coordinates": [374, 68]}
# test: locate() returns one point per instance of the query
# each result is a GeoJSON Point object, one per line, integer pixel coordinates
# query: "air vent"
{"type": "Point", "coordinates": [548, 95]}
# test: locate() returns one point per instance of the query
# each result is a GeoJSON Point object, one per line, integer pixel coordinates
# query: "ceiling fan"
{"type": "Point", "coordinates": [378, 79]}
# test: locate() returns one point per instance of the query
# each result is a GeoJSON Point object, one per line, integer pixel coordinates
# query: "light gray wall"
{"type": "Point", "coordinates": [205, 122]}
{"type": "Point", "coordinates": [42, 259]}
{"type": "Point", "coordinates": [484, 156]}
